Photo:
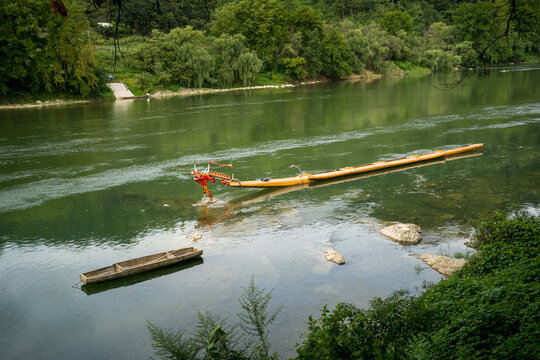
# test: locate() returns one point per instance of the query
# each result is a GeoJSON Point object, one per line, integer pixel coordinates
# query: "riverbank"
{"type": "Point", "coordinates": [490, 312]}
{"type": "Point", "coordinates": [367, 76]}
{"type": "Point", "coordinates": [47, 103]}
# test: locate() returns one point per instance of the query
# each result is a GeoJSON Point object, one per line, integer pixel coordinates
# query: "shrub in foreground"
{"type": "Point", "coordinates": [215, 340]}
{"type": "Point", "coordinates": [490, 309]}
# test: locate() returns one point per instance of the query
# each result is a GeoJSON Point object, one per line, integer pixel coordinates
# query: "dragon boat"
{"type": "Point", "coordinates": [304, 178]}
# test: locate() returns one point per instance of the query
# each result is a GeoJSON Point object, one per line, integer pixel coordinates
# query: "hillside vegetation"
{"type": "Point", "coordinates": [72, 46]}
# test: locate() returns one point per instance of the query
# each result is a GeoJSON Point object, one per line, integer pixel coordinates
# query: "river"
{"type": "Point", "coordinates": [85, 185]}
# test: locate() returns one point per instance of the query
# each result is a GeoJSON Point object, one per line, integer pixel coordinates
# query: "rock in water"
{"type": "Point", "coordinates": [196, 236]}
{"type": "Point", "coordinates": [333, 256]}
{"type": "Point", "coordinates": [443, 264]}
{"type": "Point", "coordinates": [414, 227]}
{"type": "Point", "coordinates": [405, 233]}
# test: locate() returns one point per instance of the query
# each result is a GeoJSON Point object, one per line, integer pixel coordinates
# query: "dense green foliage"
{"type": "Point", "coordinates": [338, 38]}
{"type": "Point", "coordinates": [230, 42]}
{"type": "Point", "coordinates": [43, 52]}
{"type": "Point", "coordinates": [177, 56]}
{"type": "Point", "coordinates": [490, 309]}
{"type": "Point", "coordinates": [236, 64]}
{"type": "Point", "coordinates": [183, 58]}
{"type": "Point", "coordinates": [381, 332]}
{"type": "Point", "coordinates": [262, 22]}
{"type": "Point", "coordinates": [395, 21]}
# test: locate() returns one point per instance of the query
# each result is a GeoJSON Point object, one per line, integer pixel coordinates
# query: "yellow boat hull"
{"type": "Point", "coordinates": [346, 171]}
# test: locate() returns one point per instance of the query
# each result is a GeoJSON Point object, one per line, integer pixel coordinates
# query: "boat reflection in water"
{"type": "Point", "coordinates": [95, 288]}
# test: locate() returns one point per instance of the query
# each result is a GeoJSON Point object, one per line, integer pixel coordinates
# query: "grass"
{"type": "Point", "coordinates": [123, 70]}
{"type": "Point", "coordinates": [412, 69]}
{"type": "Point", "coordinates": [467, 254]}
{"type": "Point", "coordinates": [270, 78]}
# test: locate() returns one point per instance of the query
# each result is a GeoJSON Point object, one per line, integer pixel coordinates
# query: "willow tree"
{"type": "Point", "coordinates": [181, 54]}
{"type": "Point", "coordinates": [236, 63]}
{"type": "Point", "coordinates": [45, 49]}
{"type": "Point", "coordinates": [72, 62]}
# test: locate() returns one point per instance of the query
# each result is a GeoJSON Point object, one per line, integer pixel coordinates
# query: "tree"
{"type": "Point", "coordinates": [360, 48]}
{"type": "Point", "coordinates": [393, 21]}
{"type": "Point", "coordinates": [42, 51]}
{"type": "Point", "coordinates": [71, 55]}
{"type": "Point", "coordinates": [235, 63]}
{"type": "Point", "coordinates": [313, 53]}
{"type": "Point", "coordinates": [485, 23]}
{"type": "Point", "coordinates": [262, 22]}
{"type": "Point", "coordinates": [306, 19]}
{"type": "Point", "coordinates": [370, 45]}
{"type": "Point", "coordinates": [249, 66]}
{"type": "Point", "coordinates": [336, 55]}
{"type": "Point", "coordinates": [181, 54]}
{"type": "Point", "coordinates": [479, 23]}
{"type": "Point", "coordinates": [440, 60]}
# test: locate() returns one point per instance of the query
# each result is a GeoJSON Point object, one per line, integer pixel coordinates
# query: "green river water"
{"type": "Point", "coordinates": [84, 186]}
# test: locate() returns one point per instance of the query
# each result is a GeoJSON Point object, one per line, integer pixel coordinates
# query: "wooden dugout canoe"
{"type": "Point", "coordinates": [346, 171]}
{"type": "Point", "coordinates": [140, 265]}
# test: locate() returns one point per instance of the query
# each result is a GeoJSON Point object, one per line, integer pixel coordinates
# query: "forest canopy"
{"type": "Point", "coordinates": [49, 46]}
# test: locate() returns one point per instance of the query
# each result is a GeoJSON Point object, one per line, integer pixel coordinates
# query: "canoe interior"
{"type": "Point", "coordinates": [138, 265]}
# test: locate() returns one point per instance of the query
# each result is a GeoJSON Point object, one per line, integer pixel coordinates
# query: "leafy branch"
{"type": "Point", "coordinates": [256, 318]}
{"type": "Point", "coordinates": [214, 340]}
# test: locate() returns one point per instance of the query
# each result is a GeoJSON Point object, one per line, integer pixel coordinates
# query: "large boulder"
{"type": "Point", "coordinates": [403, 233]}
{"type": "Point", "coordinates": [443, 264]}
{"type": "Point", "coordinates": [332, 255]}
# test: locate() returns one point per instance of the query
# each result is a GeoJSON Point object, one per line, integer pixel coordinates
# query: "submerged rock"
{"type": "Point", "coordinates": [405, 233]}
{"type": "Point", "coordinates": [332, 255]}
{"type": "Point", "coordinates": [443, 264]}
{"type": "Point", "coordinates": [195, 236]}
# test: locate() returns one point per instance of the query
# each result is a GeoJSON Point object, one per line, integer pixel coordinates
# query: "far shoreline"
{"type": "Point", "coordinates": [182, 92]}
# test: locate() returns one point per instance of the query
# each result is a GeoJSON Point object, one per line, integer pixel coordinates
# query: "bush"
{"type": "Point", "coordinates": [441, 60]}
{"type": "Point", "coordinates": [215, 340]}
{"type": "Point", "coordinates": [381, 332]}
{"type": "Point", "coordinates": [295, 67]}
{"type": "Point", "coordinates": [503, 241]}
{"type": "Point", "coordinates": [488, 310]}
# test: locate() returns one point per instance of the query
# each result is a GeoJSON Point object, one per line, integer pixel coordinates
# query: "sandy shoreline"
{"type": "Point", "coordinates": [203, 91]}
{"type": "Point", "coordinates": [47, 103]}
